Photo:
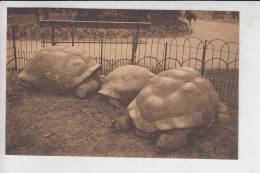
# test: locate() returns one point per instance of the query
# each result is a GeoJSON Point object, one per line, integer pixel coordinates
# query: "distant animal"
{"type": "Point", "coordinates": [235, 14]}
{"type": "Point", "coordinates": [190, 16]}
{"type": "Point", "coordinates": [172, 105]}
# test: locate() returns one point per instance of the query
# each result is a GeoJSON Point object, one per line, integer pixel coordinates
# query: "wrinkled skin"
{"type": "Point", "coordinates": [164, 141]}
{"type": "Point", "coordinates": [61, 70]}
{"type": "Point", "coordinates": [168, 140]}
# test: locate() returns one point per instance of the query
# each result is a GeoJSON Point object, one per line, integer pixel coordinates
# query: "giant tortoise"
{"type": "Point", "coordinates": [60, 70]}
{"type": "Point", "coordinates": [173, 103]}
{"type": "Point", "coordinates": [124, 83]}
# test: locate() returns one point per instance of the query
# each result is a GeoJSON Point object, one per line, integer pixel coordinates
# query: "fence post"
{"type": "Point", "coordinates": [43, 39]}
{"type": "Point", "coordinates": [203, 58]}
{"type": "Point", "coordinates": [165, 55]}
{"type": "Point", "coordinates": [52, 35]}
{"type": "Point", "coordinates": [101, 54]}
{"type": "Point", "coordinates": [134, 47]}
{"type": "Point", "coordinates": [72, 36]}
{"type": "Point", "coordinates": [14, 46]}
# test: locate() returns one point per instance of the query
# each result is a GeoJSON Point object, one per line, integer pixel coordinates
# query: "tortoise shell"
{"type": "Point", "coordinates": [124, 83]}
{"type": "Point", "coordinates": [57, 69]}
{"type": "Point", "coordinates": [175, 99]}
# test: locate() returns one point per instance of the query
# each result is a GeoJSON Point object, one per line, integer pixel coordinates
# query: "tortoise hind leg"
{"type": "Point", "coordinates": [171, 141]}
{"type": "Point", "coordinates": [224, 114]}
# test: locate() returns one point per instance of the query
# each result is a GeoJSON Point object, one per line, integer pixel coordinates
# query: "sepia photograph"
{"type": "Point", "coordinates": [127, 83]}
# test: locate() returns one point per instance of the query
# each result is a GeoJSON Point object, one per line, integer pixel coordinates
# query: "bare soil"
{"type": "Point", "coordinates": [42, 124]}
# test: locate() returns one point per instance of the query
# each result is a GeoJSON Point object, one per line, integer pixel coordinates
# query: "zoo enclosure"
{"type": "Point", "coordinates": [216, 59]}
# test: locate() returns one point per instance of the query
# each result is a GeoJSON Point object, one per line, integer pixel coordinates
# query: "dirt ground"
{"type": "Point", "coordinates": [41, 124]}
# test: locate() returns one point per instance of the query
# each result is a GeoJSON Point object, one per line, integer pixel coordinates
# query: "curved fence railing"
{"type": "Point", "coordinates": [216, 59]}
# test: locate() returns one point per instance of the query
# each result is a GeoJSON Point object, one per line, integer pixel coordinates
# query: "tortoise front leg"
{"type": "Point", "coordinates": [171, 141]}
{"type": "Point", "coordinates": [123, 123]}
{"type": "Point", "coordinates": [89, 87]}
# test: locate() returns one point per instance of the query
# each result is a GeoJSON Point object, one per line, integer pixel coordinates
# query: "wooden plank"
{"type": "Point", "coordinates": [95, 24]}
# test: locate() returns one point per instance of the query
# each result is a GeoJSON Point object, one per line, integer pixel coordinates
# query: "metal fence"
{"type": "Point", "coordinates": [216, 59]}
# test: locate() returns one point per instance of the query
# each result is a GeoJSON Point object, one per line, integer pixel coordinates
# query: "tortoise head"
{"type": "Point", "coordinates": [26, 80]}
